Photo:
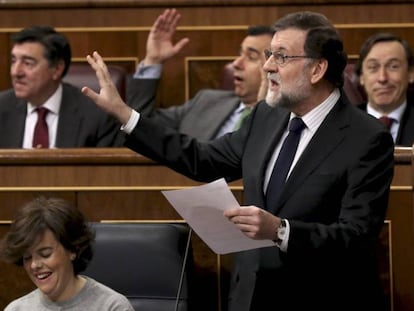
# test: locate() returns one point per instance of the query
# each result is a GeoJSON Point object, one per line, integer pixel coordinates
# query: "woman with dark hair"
{"type": "Point", "coordinates": [53, 242]}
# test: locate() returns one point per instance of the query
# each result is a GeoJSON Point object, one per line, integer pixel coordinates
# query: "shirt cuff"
{"type": "Point", "coordinates": [285, 238]}
{"type": "Point", "coordinates": [132, 122]}
{"type": "Point", "coordinates": [148, 72]}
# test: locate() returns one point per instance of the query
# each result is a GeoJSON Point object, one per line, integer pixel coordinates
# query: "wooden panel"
{"type": "Point", "coordinates": [218, 12]}
{"type": "Point", "coordinates": [118, 184]}
{"type": "Point", "coordinates": [173, 3]}
{"type": "Point", "coordinates": [105, 184]}
{"type": "Point", "coordinates": [192, 68]}
{"type": "Point", "coordinates": [203, 72]}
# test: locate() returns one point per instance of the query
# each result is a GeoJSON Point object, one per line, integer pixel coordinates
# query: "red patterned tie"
{"type": "Point", "coordinates": [386, 121]}
{"type": "Point", "coordinates": [41, 132]}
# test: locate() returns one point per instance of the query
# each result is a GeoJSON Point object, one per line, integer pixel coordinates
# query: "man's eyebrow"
{"type": "Point", "coordinates": [25, 57]}
{"type": "Point", "coordinates": [251, 49]}
{"type": "Point", "coordinates": [377, 60]}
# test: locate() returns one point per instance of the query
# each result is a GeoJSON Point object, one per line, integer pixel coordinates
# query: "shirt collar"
{"type": "Point", "coordinates": [241, 107]}
{"type": "Point", "coordinates": [395, 114]}
{"type": "Point", "coordinates": [52, 103]}
{"type": "Point", "coordinates": [314, 118]}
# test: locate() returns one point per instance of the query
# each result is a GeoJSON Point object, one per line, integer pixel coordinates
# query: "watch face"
{"type": "Point", "coordinates": [281, 231]}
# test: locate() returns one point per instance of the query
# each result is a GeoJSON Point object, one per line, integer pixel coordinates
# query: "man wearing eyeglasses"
{"type": "Point", "coordinates": [211, 113]}
{"type": "Point", "coordinates": [385, 68]}
{"type": "Point", "coordinates": [316, 175]}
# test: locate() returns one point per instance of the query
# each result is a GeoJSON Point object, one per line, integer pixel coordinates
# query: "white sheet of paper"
{"type": "Point", "coordinates": [202, 208]}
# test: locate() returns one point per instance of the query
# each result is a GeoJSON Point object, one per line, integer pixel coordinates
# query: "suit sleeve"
{"type": "Point", "coordinates": [201, 161]}
{"type": "Point", "coordinates": [141, 96]}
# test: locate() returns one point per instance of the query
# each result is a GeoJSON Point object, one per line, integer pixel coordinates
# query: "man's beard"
{"type": "Point", "coordinates": [288, 100]}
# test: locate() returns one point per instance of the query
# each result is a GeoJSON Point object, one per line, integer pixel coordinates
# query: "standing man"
{"type": "Point", "coordinates": [385, 68]}
{"type": "Point", "coordinates": [41, 111]}
{"type": "Point", "coordinates": [324, 210]}
{"type": "Point", "coordinates": [211, 113]}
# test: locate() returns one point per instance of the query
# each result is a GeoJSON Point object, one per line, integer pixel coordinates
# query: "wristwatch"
{"type": "Point", "coordinates": [280, 232]}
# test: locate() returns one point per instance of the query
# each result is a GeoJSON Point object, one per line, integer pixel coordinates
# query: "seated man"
{"type": "Point", "coordinates": [40, 58]}
{"type": "Point", "coordinates": [211, 113]}
{"type": "Point", "coordinates": [386, 67]}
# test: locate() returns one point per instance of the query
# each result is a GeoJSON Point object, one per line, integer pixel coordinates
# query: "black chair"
{"type": "Point", "coordinates": [352, 87]}
{"type": "Point", "coordinates": [226, 77]}
{"type": "Point", "coordinates": [144, 262]}
{"type": "Point", "coordinates": [81, 74]}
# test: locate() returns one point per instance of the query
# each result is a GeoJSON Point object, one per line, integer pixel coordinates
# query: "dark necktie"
{"type": "Point", "coordinates": [246, 111]}
{"type": "Point", "coordinates": [41, 132]}
{"type": "Point", "coordinates": [387, 121]}
{"type": "Point", "coordinates": [283, 163]}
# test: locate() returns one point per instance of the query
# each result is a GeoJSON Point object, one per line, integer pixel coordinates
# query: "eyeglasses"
{"type": "Point", "coordinates": [279, 58]}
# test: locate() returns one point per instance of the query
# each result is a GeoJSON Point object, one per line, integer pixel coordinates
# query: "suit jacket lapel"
{"type": "Point", "coordinates": [69, 121]}
{"type": "Point", "coordinates": [14, 125]}
{"type": "Point", "coordinates": [274, 126]}
{"type": "Point", "coordinates": [224, 111]}
{"type": "Point", "coordinates": [405, 136]}
{"type": "Point", "coordinates": [325, 140]}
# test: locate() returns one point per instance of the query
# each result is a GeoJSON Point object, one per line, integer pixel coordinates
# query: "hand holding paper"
{"type": "Point", "coordinates": [202, 208]}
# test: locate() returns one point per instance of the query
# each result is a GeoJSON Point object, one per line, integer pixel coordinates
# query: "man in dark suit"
{"type": "Point", "coordinates": [326, 215]}
{"type": "Point", "coordinates": [40, 58]}
{"type": "Point", "coordinates": [385, 68]}
{"type": "Point", "coordinates": [210, 113]}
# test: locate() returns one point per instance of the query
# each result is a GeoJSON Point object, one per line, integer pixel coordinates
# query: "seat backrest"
{"type": "Point", "coordinates": [143, 261]}
{"type": "Point", "coordinates": [352, 87]}
{"type": "Point", "coordinates": [81, 74]}
{"type": "Point", "coordinates": [226, 78]}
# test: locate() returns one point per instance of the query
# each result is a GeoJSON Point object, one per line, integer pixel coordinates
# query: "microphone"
{"type": "Point", "coordinates": [183, 267]}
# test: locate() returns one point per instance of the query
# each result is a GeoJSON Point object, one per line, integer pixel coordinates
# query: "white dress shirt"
{"type": "Point", "coordinates": [396, 115]}
{"type": "Point", "coordinates": [52, 118]}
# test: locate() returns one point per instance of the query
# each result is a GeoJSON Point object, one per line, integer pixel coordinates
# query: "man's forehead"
{"type": "Point", "coordinates": [288, 39]}
{"type": "Point", "coordinates": [387, 47]}
{"type": "Point", "coordinates": [32, 47]}
{"type": "Point", "coordinates": [256, 43]}
{"type": "Point", "coordinates": [384, 51]}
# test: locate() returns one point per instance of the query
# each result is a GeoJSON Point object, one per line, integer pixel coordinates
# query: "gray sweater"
{"type": "Point", "coordinates": [94, 296]}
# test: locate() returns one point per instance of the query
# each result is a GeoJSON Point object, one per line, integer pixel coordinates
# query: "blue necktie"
{"type": "Point", "coordinates": [283, 163]}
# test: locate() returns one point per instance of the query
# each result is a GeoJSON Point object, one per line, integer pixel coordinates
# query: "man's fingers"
{"type": "Point", "coordinates": [100, 68]}
{"type": "Point", "coordinates": [90, 93]}
{"type": "Point", "coordinates": [180, 44]}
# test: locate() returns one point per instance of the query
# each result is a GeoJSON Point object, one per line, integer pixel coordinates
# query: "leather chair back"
{"type": "Point", "coordinates": [226, 78]}
{"type": "Point", "coordinates": [143, 261]}
{"type": "Point", "coordinates": [81, 74]}
{"type": "Point", "coordinates": [352, 88]}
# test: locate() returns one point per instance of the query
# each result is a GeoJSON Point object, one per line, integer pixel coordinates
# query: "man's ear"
{"type": "Point", "coordinates": [361, 80]}
{"type": "Point", "coordinates": [319, 69]}
{"type": "Point", "coordinates": [411, 75]}
{"type": "Point", "coordinates": [59, 68]}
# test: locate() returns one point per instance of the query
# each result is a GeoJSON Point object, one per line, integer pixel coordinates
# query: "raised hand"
{"type": "Point", "coordinates": [159, 41]}
{"type": "Point", "coordinates": [108, 98]}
